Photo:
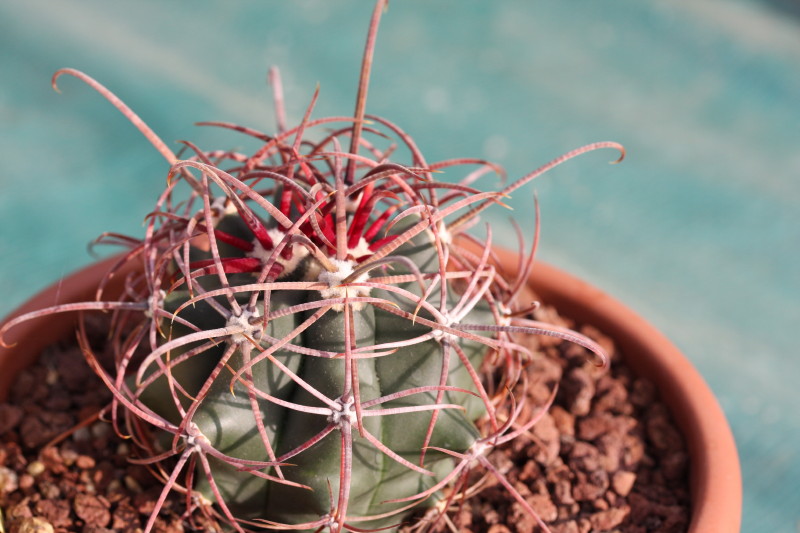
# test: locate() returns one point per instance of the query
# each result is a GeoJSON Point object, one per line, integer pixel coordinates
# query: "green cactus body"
{"type": "Point", "coordinates": [227, 418]}
{"type": "Point", "coordinates": [228, 421]}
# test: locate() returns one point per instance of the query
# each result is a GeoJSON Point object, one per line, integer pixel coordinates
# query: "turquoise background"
{"type": "Point", "coordinates": [698, 230]}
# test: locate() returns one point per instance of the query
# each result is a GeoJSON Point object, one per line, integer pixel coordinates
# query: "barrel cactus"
{"type": "Point", "coordinates": [310, 339]}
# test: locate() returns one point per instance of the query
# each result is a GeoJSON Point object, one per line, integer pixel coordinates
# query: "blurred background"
{"type": "Point", "coordinates": [698, 229]}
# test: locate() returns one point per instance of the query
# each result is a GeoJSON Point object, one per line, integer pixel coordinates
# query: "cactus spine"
{"type": "Point", "coordinates": [312, 340]}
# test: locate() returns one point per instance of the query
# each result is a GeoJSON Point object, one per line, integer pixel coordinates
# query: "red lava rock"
{"type": "Point", "coordinates": [661, 431]}
{"type": "Point", "coordinates": [611, 450]}
{"type": "Point", "coordinates": [29, 387]}
{"type": "Point", "coordinates": [530, 472]}
{"type": "Point", "coordinates": [613, 399]}
{"type": "Point", "coordinates": [84, 462]}
{"type": "Point", "coordinates": [600, 504]}
{"type": "Point", "coordinates": [622, 482]}
{"type": "Point", "coordinates": [15, 514]}
{"type": "Point", "coordinates": [74, 377]}
{"type": "Point", "coordinates": [560, 479]}
{"type": "Point", "coordinates": [93, 510]}
{"type": "Point", "coordinates": [10, 417]}
{"type": "Point", "coordinates": [564, 420]}
{"type": "Point", "coordinates": [584, 457]}
{"type": "Point", "coordinates": [584, 525]}
{"type": "Point", "coordinates": [549, 439]}
{"type": "Point", "coordinates": [9, 481]}
{"type": "Point", "coordinates": [633, 451]}
{"type": "Point", "coordinates": [38, 428]}
{"type": "Point", "coordinates": [52, 460]}
{"type": "Point", "coordinates": [172, 526]}
{"type": "Point", "coordinates": [592, 427]}
{"type": "Point", "coordinates": [26, 481]}
{"type": "Point", "coordinates": [32, 524]}
{"type": "Point", "coordinates": [57, 512]}
{"type": "Point", "coordinates": [609, 519]}
{"type": "Point", "coordinates": [124, 514]}
{"type": "Point", "coordinates": [674, 465]}
{"type": "Point", "coordinates": [590, 485]}
{"type": "Point", "coordinates": [643, 393]}
{"type": "Point", "coordinates": [570, 526]}
{"type": "Point", "coordinates": [543, 506]}
{"type": "Point", "coordinates": [578, 387]}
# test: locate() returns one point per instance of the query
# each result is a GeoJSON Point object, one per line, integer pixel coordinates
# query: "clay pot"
{"type": "Point", "coordinates": [715, 477]}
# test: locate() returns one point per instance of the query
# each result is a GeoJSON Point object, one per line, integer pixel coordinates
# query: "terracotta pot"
{"type": "Point", "coordinates": [716, 486]}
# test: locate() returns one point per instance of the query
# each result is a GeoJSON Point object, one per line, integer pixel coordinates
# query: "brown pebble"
{"type": "Point", "coordinates": [81, 435]}
{"type": "Point", "coordinates": [9, 481]}
{"type": "Point", "coordinates": [660, 430]}
{"type": "Point", "coordinates": [562, 487]}
{"type": "Point", "coordinates": [69, 456]}
{"type": "Point", "coordinates": [600, 504]}
{"type": "Point", "coordinates": [590, 486]}
{"type": "Point", "coordinates": [609, 519]}
{"type": "Point", "coordinates": [10, 417]}
{"type": "Point", "coordinates": [622, 482]}
{"type": "Point", "coordinates": [643, 393]}
{"type": "Point", "coordinates": [674, 465]}
{"type": "Point", "coordinates": [15, 513]}
{"type": "Point", "coordinates": [84, 462]}
{"type": "Point", "coordinates": [124, 515]}
{"type": "Point", "coordinates": [26, 481]}
{"type": "Point", "coordinates": [52, 460]}
{"type": "Point", "coordinates": [94, 510]}
{"type": "Point", "coordinates": [57, 512]}
{"type": "Point", "coordinates": [584, 525]}
{"type": "Point", "coordinates": [633, 450]}
{"type": "Point", "coordinates": [579, 389]}
{"type": "Point", "coordinates": [114, 485]}
{"type": "Point", "coordinates": [548, 436]}
{"type": "Point", "coordinates": [49, 490]}
{"type": "Point", "coordinates": [611, 448]}
{"type": "Point", "coordinates": [34, 524]}
{"type": "Point", "coordinates": [569, 526]}
{"type": "Point", "coordinates": [132, 485]}
{"type": "Point", "coordinates": [543, 506]}
{"type": "Point", "coordinates": [584, 457]}
{"type": "Point", "coordinates": [37, 429]}
{"type": "Point", "coordinates": [565, 421]}
{"type": "Point", "coordinates": [123, 449]}
{"type": "Point", "coordinates": [35, 468]}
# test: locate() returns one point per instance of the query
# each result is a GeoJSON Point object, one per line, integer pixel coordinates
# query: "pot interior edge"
{"type": "Point", "coordinates": [28, 339]}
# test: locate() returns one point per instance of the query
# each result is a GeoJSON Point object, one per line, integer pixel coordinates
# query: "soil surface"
{"type": "Point", "coordinates": [63, 468]}
{"type": "Point", "coordinates": [605, 458]}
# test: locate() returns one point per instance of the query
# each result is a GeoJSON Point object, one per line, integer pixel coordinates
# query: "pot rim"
{"type": "Point", "coordinates": [715, 476]}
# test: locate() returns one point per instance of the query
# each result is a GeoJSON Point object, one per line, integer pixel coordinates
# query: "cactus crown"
{"type": "Point", "coordinates": [310, 340]}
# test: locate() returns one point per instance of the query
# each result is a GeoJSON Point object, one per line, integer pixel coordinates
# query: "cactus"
{"type": "Point", "coordinates": [311, 339]}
